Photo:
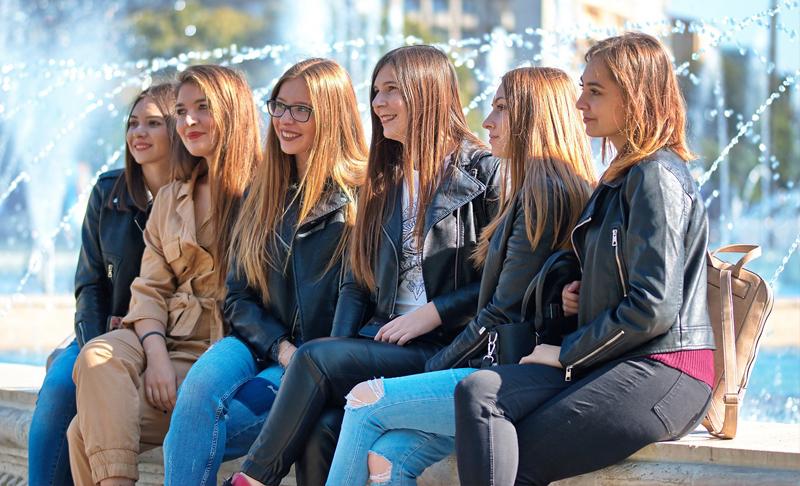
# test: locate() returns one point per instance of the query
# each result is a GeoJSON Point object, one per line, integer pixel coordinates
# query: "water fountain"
{"type": "Point", "coordinates": [53, 106]}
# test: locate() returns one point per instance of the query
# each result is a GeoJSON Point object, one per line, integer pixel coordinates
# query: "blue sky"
{"type": "Point", "coordinates": [788, 52]}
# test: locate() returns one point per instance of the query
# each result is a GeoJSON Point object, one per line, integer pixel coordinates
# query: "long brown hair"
{"type": "Point", "coordinates": [548, 154]}
{"type": "Point", "coordinates": [655, 111]}
{"type": "Point", "coordinates": [337, 159]}
{"type": "Point", "coordinates": [237, 149]}
{"type": "Point", "coordinates": [436, 127]}
{"type": "Point", "coordinates": [133, 184]}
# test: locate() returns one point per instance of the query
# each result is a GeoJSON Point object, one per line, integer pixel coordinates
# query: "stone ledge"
{"type": "Point", "coordinates": [762, 453]}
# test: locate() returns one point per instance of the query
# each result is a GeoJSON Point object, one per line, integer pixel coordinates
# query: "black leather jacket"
{"type": "Point", "coordinates": [303, 297]}
{"type": "Point", "coordinates": [642, 243]}
{"type": "Point", "coordinates": [463, 204]}
{"type": "Point", "coordinates": [110, 257]}
{"type": "Point", "coordinates": [511, 264]}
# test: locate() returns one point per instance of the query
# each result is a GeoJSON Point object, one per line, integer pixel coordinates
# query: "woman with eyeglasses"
{"type": "Point", "coordinates": [431, 188]}
{"type": "Point", "coordinates": [283, 282]}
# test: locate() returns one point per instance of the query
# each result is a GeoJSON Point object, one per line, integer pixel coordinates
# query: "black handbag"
{"type": "Point", "coordinates": [479, 347]}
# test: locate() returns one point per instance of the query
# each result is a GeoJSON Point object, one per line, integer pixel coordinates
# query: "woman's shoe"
{"type": "Point", "coordinates": [237, 479]}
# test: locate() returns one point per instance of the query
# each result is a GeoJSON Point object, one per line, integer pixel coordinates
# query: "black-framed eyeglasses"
{"type": "Point", "coordinates": [300, 113]}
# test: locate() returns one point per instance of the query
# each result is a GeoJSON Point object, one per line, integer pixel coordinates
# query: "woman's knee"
{"type": "Point", "coordinates": [364, 394]}
{"type": "Point", "coordinates": [478, 387]}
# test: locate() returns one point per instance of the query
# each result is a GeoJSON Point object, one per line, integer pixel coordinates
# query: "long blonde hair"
{"type": "Point", "coordinates": [436, 127]}
{"type": "Point", "coordinates": [237, 149]}
{"type": "Point", "coordinates": [655, 111]}
{"type": "Point", "coordinates": [337, 159]}
{"type": "Point", "coordinates": [548, 154]}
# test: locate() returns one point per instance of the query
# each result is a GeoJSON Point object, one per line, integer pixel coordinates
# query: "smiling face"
{"type": "Point", "coordinates": [147, 136]}
{"type": "Point", "coordinates": [389, 106]}
{"type": "Point", "coordinates": [602, 104]}
{"type": "Point", "coordinates": [296, 138]}
{"type": "Point", "coordinates": [195, 125]}
{"type": "Point", "coordinates": [497, 124]}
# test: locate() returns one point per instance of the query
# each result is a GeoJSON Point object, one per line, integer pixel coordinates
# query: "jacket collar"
{"type": "Point", "coordinates": [185, 203]}
{"type": "Point", "coordinates": [333, 199]}
{"type": "Point", "coordinates": [458, 187]}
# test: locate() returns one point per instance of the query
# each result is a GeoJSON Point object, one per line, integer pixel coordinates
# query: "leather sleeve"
{"type": "Point", "coordinates": [458, 307]}
{"type": "Point", "coordinates": [520, 265]}
{"type": "Point", "coordinates": [352, 305]}
{"type": "Point", "coordinates": [653, 259]}
{"type": "Point", "coordinates": [92, 296]}
{"type": "Point", "coordinates": [249, 319]}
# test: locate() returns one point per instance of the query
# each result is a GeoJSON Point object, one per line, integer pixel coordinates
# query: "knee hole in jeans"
{"type": "Point", "coordinates": [365, 393]}
{"type": "Point", "coordinates": [380, 469]}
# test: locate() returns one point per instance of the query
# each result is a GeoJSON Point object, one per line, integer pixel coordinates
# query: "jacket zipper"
{"type": "Point", "coordinates": [110, 270]}
{"type": "Point", "coordinates": [458, 245]}
{"type": "Point", "coordinates": [294, 322]}
{"type": "Point", "coordinates": [615, 338]}
{"type": "Point", "coordinates": [572, 240]}
{"type": "Point", "coordinates": [476, 346]}
{"type": "Point", "coordinates": [615, 244]}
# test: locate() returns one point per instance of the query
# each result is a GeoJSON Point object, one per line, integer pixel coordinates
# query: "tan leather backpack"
{"type": "Point", "coordinates": [739, 302]}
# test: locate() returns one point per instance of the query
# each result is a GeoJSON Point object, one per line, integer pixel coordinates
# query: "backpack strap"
{"type": "Point", "coordinates": [751, 252]}
{"type": "Point", "coordinates": [731, 396]}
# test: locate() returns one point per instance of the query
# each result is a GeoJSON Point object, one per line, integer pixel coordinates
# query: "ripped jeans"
{"type": "Point", "coordinates": [408, 421]}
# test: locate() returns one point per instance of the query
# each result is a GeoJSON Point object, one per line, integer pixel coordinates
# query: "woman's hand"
{"type": "Point", "coordinates": [285, 352]}
{"type": "Point", "coordinates": [160, 382]}
{"type": "Point", "coordinates": [543, 354]}
{"type": "Point", "coordinates": [408, 326]}
{"type": "Point", "coordinates": [570, 298]}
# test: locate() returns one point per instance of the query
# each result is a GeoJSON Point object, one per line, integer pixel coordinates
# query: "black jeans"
{"type": "Point", "coordinates": [523, 424]}
{"type": "Point", "coordinates": [320, 375]}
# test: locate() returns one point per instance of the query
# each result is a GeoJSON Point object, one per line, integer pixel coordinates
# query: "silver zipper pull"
{"type": "Point", "coordinates": [614, 237]}
{"type": "Point", "coordinates": [110, 270]}
{"type": "Point", "coordinates": [490, 347]}
{"type": "Point", "coordinates": [568, 375]}
{"type": "Point", "coordinates": [482, 330]}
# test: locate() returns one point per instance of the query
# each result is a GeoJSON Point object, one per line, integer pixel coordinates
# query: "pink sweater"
{"type": "Point", "coordinates": [698, 363]}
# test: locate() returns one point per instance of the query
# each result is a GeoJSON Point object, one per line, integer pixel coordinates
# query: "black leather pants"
{"type": "Point", "coordinates": [319, 376]}
{"type": "Point", "coordinates": [311, 469]}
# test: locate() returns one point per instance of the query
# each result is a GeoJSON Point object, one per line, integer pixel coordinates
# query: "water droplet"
{"type": "Point", "coordinates": [727, 113]}
{"type": "Point", "coordinates": [180, 5]}
{"type": "Point", "coordinates": [190, 30]}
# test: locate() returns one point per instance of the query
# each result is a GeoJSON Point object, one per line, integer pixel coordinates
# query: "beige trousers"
{"type": "Point", "coordinates": [114, 421]}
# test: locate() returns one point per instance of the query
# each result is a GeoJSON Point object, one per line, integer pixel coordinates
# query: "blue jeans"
{"type": "Point", "coordinates": [48, 455]}
{"type": "Point", "coordinates": [221, 406]}
{"type": "Point", "coordinates": [411, 424]}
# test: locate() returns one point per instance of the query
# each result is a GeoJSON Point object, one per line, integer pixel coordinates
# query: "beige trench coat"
{"type": "Point", "coordinates": [178, 285]}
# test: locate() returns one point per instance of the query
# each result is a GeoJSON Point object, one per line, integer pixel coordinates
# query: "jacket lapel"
{"type": "Point", "coordinates": [456, 189]}
{"type": "Point", "coordinates": [393, 227]}
{"type": "Point", "coordinates": [185, 208]}
{"type": "Point", "coordinates": [332, 200]}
